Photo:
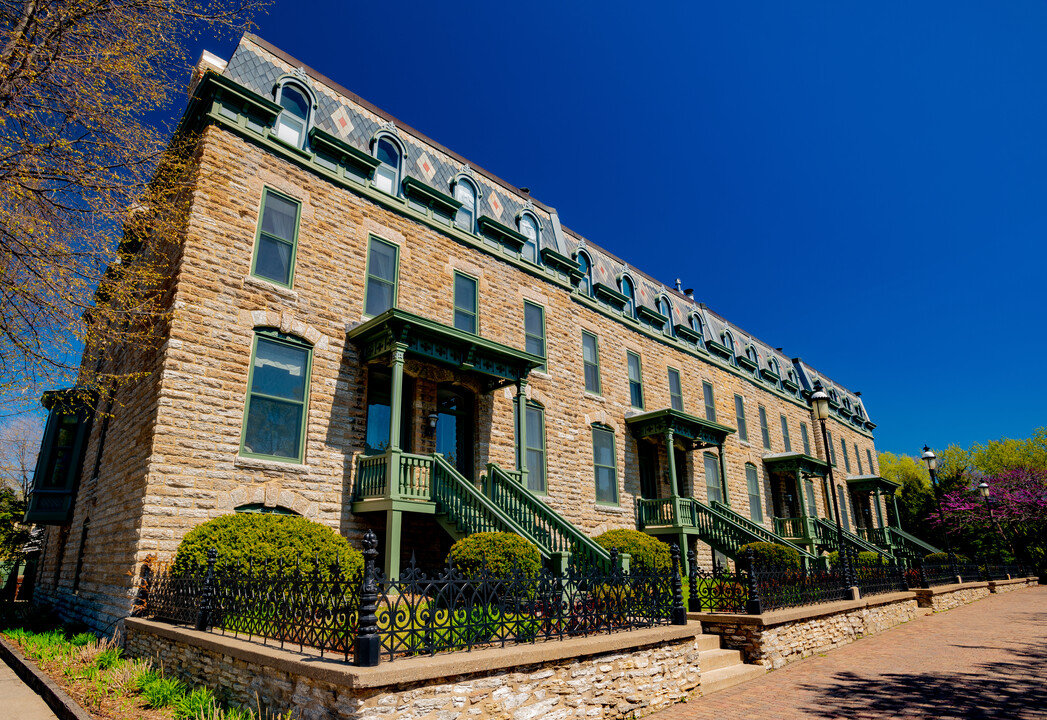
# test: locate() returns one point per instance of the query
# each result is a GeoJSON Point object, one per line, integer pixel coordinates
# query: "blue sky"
{"type": "Point", "coordinates": [861, 184]}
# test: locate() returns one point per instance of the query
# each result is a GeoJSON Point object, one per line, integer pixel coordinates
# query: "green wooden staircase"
{"type": "Point", "coordinates": [827, 537]}
{"type": "Point", "coordinates": [899, 542]}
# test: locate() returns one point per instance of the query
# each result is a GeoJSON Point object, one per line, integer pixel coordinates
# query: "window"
{"type": "Point", "coordinates": [665, 308]}
{"type": "Point", "coordinates": [812, 506]}
{"type": "Point", "coordinates": [277, 397]}
{"type": "Point", "coordinates": [80, 555]}
{"type": "Point", "coordinates": [465, 303]}
{"type": "Point", "coordinates": [785, 435]}
{"type": "Point", "coordinates": [274, 248]}
{"type": "Point", "coordinates": [293, 121]}
{"type": "Point", "coordinates": [739, 414]}
{"type": "Point", "coordinates": [387, 174]}
{"type": "Point", "coordinates": [806, 439]}
{"type": "Point", "coordinates": [728, 342]}
{"type": "Point", "coordinates": [535, 451]}
{"type": "Point", "coordinates": [858, 459]}
{"type": "Point", "coordinates": [585, 286]}
{"type": "Point", "coordinates": [629, 291]}
{"type": "Point", "coordinates": [696, 324]}
{"type": "Point", "coordinates": [843, 508]}
{"type": "Point", "coordinates": [605, 467]}
{"type": "Point", "coordinates": [380, 293]}
{"type": "Point", "coordinates": [675, 390]}
{"type": "Point", "coordinates": [529, 229]}
{"type": "Point", "coordinates": [846, 457]}
{"type": "Point", "coordinates": [765, 431]}
{"type": "Point", "coordinates": [754, 358]}
{"type": "Point", "coordinates": [713, 489]}
{"type": "Point", "coordinates": [465, 193]}
{"type": "Point", "coordinates": [534, 330]}
{"type": "Point", "coordinates": [752, 481]}
{"type": "Point", "coordinates": [710, 401]}
{"type": "Point", "coordinates": [635, 380]}
{"type": "Point", "coordinates": [591, 362]}
{"type": "Point", "coordinates": [832, 450]}
{"type": "Point", "coordinates": [869, 457]}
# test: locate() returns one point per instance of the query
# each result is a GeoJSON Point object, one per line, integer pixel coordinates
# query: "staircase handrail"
{"type": "Point", "coordinates": [910, 539]}
{"type": "Point", "coordinates": [855, 540]}
{"type": "Point", "coordinates": [518, 503]}
{"type": "Point", "coordinates": [451, 491]}
{"type": "Point", "coordinates": [758, 530]}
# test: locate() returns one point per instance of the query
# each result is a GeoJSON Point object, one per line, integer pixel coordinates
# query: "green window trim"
{"type": "Point", "coordinates": [534, 331]}
{"type": "Point", "coordinates": [675, 390]}
{"type": "Point", "coordinates": [710, 401]}
{"type": "Point", "coordinates": [713, 484]}
{"type": "Point", "coordinates": [869, 457]}
{"type": "Point", "coordinates": [806, 437]}
{"type": "Point", "coordinates": [270, 240]}
{"type": "Point", "coordinates": [261, 407]}
{"type": "Point", "coordinates": [832, 449]}
{"type": "Point", "coordinates": [752, 482]}
{"type": "Point", "coordinates": [812, 503]}
{"type": "Point", "coordinates": [262, 509]}
{"type": "Point", "coordinates": [858, 458]}
{"type": "Point", "coordinates": [765, 431]}
{"type": "Point", "coordinates": [466, 303]}
{"type": "Point", "coordinates": [605, 473]}
{"type": "Point", "coordinates": [635, 373]}
{"type": "Point", "coordinates": [739, 414]}
{"type": "Point", "coordinates": [785, 434]}
{"type": "Point", "coordinates": [846, 457]}
{"type": "Point", "coordinates": [591, 366]}
{"type": "Point", "coordinates": [536, 458]}
{"type": "Point", "coordinates": [376, 284]}
{"type": "Point", "coordinates": [60, 462]}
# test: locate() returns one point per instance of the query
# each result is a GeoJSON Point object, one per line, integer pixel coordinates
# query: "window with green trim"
{"type": "Point", "coordinates": [785, 434]}
{"type": "Point", "coordinates": [869, 457]}
{"type": "Point", "coordinates": [585, 285]}
{"type": "Point", "coordinates": [765, 432]}
{"type": "Point", "coordinates": [844, 514]}
{"type": "Point", "coordinates": [534, 330]}
{"type": "Point", "coordinates": [752, 482]}
{"type": "Point", "coordinates": [635, 380]}
{"type": "Point", "coordinates": [846, 457]}
{"type": "Point", "coordinates": [625, 285]}
{"type": "Point", "coordinates": [260, 509]}
{"type": "Point", "coordinates": [858, 459]}
{"type": "Point", "coordinates": [806, 439]}
{"type": "Point", "coordinates": [739, 415]}
{"type": "Point", "coordinates": [277, 397]}
{"type": "Point", "coordinates": [812, 505]}
{"type": "Point", "coordinates": [274, 248]}
{"type": "Point", "coordinates": [535, 454]}
{"type": "Point", "coordinates": [591, 362]}
{"type": "Point", "coordinates": [605, 466]}
{"type": "Point", "coordinates": [832, 450]}
{"type": "Point", "coordinates": [675, 390]}
{"type": "Point", "coordinates": [713, 487]}
{"type": "Point", "coordinates": [710, 401]}
{"type": "Point", "coordinates": [465, 305]}
{"type": "Point", "coordinates": [382, 264]}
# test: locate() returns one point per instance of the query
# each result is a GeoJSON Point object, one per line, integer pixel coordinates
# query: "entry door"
{"type": "Point", "coordinates": [456, 408]}
{"type": "Point", "coordinates": [647, 456]}
{"type": "Point", "coordinates": [680, 458]}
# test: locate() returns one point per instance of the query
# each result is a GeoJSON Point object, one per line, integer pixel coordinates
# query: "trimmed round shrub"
{"type": "Point", "coordinates": [499, 552]}
{"type": "Point", "coordinates": [769, 555]}
{"type": "Point", "coordinates": [942, 558]}
{"type": "Point", "coordinates": [263, 538]}
{"type": "Point", "coordinates": [649, 554]}
{"type": "Point", "coordinates": [865, 559]}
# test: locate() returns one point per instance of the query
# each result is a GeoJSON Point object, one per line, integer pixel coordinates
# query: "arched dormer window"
{"type": "Point", "coordinates": [529, 228]}
{"type": "Point", "coordinates": [728, 342]}
{"type": "Point", "coordinates": [292, 124]}
{"type": "Point", "coordinates": [777, 370]}
{"type": "Point", "coordinates": [586, 267]}
{"type": "Point", "coordinates": [629, 290]}
{"type": "Point", "coordinates": [698, 326]}
{"type": "Point", "coordinates": [666, 308]}
{"type": "Point", "coordinates": [390, 152]}
{"type": "Point", "coordinates": [466, 193]}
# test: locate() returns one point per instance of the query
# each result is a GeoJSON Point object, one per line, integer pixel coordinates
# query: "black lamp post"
{"type": "Point", "coordinates": [820, 403]}
{"type": "Point", "coordinates": [983, 489]}
{"type": "Point", "coordinates": [932, 467]}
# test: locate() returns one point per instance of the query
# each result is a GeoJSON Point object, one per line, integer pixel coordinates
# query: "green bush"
{"type": "Point", "coordinates": [258, 537]}
{"type": "Point", "coordinates": [159, 692]}
{"type": "Point", "coordinates": [647, 554]}
{"type": "Point", "coordinates": [199, 703]}
{"type": "Point", "coordinates": [769, 555]}
{"type": "Point", "coordinates": [942, 558]}
{"type": "Point", "coordinates": [500, 552]}
{"type": "Point", "coordinates": [865, 559]}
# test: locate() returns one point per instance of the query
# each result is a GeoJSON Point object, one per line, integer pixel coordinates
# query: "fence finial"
{"type": "Point", "coordinates": [367, 649]}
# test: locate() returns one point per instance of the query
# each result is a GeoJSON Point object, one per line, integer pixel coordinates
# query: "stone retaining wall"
{"type": "Point", "coordinates": [1002, 586]}
{"type": "Point", "coordinates": [617, 676]}
{"type": "Point", "coordinates": [778, 638]}
{"type": "Point", "coordinates": [947, 597]}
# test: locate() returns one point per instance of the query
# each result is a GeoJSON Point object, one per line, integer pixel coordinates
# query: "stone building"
{"type": "Point", "coordinates": [373, 333]}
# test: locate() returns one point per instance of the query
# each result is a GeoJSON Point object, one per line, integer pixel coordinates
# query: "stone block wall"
{"type": "Point", "coordinates": [623, 684]}
{"type": "Point", "coordinates": [1003, 586]}
{"type": "Point", "coordinates": [947, 598]}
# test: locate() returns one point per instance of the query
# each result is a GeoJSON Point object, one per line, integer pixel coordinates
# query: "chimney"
{"type": "Point", "coordinates": [208, 62]}
{"type": "Point", "coordinates": [679, 285]}
{"type": "Point", "coordinates": [689, 292]}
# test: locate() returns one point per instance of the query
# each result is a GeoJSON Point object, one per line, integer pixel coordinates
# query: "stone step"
{"type": "Point", "coordinates": [716, 680]}
{"type": "Point", "coordinates": [710, 660]}
{"type": "Point", "coordinates": [708, 642]}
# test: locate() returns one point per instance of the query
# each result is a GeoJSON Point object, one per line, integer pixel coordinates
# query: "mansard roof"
{"type": "Point", "coordinates": [259, 66]}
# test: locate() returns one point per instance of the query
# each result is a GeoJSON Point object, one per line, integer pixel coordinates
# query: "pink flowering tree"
{"type": "Point", "coordinates": [1019, 507]}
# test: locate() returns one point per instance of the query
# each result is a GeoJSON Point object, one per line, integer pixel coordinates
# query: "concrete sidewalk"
{"type": "Point", "coordinates": [984, 660]}
{"type": "Point", "coordinates": [17, 700]}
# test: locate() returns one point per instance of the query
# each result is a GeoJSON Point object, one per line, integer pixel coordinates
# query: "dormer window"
{"type": "Point", "coordinates": [728, 342]}
{"type": "Point", "coordinates": [665, 308]}
{"type": "Point", "coordinates": [529, 229]}
{"type": "Point", "coordinates": [626, 286]}
{"type": "Point", "coordinates": [293, 121]}
{"type": "Point", "coordinates": [586, 266]}
{"type": "Point", "coordinates": [387, 175]}
{"type": "Point", "coordinates": [465, 193]}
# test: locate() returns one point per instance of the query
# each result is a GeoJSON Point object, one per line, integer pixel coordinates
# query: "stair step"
{"type": "Point", "coordinates": [716, 680]}
{"type": "Point", "coordinates": [710, 660]}
{"type": "Point", "coordinates": [708, 642]}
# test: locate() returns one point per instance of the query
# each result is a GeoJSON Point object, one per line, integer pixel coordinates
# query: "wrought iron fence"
{"type": "Point", "coordinates": [938, 574]}
{"type": "Point", "coordinates": [879, 579]}
{"type": "Point", "coordinates": [718, 590]}
{"type": "Point", "coordinates": [779, 588]}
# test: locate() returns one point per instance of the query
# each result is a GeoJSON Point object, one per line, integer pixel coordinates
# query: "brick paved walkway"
{"type": "Point", "coordinates": [984, 660]}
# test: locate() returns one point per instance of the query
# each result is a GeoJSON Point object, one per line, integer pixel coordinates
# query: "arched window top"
{"type": "Point", "coordinates": [697, 324]}
{"type": "Point", "coordinates": [773, 365]}
{"type": "Point", "coordinates": [750, 352]}
{"type": "Point", "coordinates": [467, 193]}
{"type": "Point", "coordinates": [389, 150]}
{"type": "Point", "coordinates": [297, 101]}
{"type": "Point", "coordinates": [585, 265]}
{"type": "Point", "coordinates": [273, 332]}
{"type": "Point", "coordinates": [264, 510]}
{"type": "Point", "coordinates": [728, 342]}
{"type": "Point", "coordinates": [628, 288]}
{"type": "Point", "coordinates": [666, 308]}
{"type": "Point", "coordinates": [530, 229]}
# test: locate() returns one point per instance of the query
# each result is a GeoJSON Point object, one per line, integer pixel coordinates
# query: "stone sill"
{"type": "Point", "coordinates": [946, 589]}
{"type": "Point", "coordinates": [266, 286]}
{"type": "Point", "coordinates": [808, 612]}
{"type": "Point", "coordinates": [256, 464]}
{"type": "Point", "coordinates": [415, 669]}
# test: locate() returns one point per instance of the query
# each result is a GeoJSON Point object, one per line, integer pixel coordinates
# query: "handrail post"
{"type": "Point", "coordinates": [694, 603]}
{"type": "Point", "coordinates": [753, 606]}
{"type": "Point", "coordinates": [679, 615]}
{"type": "Point", "coordinates": [368, 646]}
{"type": "Point", "coordinates": [204, 612]}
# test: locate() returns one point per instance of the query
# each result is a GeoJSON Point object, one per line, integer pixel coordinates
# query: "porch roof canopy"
{"type": "Point", "coordinates": [791, 462]}
{"type": "Point", "coordinates": [871, 483]}
{"type": "Point", "coordinates": [443, 344]}
{"type": "Point", "coordinates": [703, 433]}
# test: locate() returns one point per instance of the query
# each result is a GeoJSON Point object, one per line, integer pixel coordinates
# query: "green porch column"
{"type": "Point", "coordinates": [674, 486]}
{"type": "Point", "coordinates": [723, 477]}
{"type": "Point", "coordinates": [800, 496]}
{"type": "Point", "coordinates": [393, 527]}
{"type": "Point", "coordinates": [396, 401]}
{"type": "Point", "coordinates": [879, 511]}
{"type": "Point", "coordinates": [521, 430]}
